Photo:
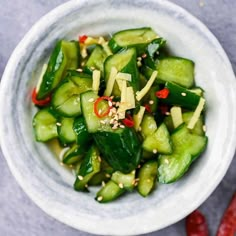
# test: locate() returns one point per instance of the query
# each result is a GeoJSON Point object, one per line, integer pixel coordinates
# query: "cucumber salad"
{"type": "Point", "coordinates": [126, 114]}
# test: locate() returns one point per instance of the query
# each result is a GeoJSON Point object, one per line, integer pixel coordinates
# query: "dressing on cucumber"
{"type": "Point", "coordinates": [126, 114]}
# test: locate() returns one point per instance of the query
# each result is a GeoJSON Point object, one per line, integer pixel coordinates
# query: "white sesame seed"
{"type": "Point", "coordinates": [115, 126]}
{"type": "Point", "coordinates": [139, 58]}
{"type": "Point", "coordinates": [110, 103]}
{"type": "Point", "coordinates": [80, 177]}
{"type": "Point", "coordinates": [100, 198]}
{"type": "Point", "coordinates": [100, 111]}
{"type": "Point", "coordinates": [58, 124]}
{"type": "Point", "coordinates": [167, 113]}
{"type": "Point", "coordinates": [133, 182]}
{"type": "Point", "coordinates": [139, 63]}
{"type": "Point", "coordinates": [91, 100]}
{"type": "Point", "coordinates": [139, 166]}
{"type": "Point", "coordinates": [79, 70]}
{"type": "Point", "coordinates": [151, 102]}
{"type": "Point", "coordinates": [61, 163]}
{"type": "Point", "coordinates": [133, 172]}
{"type": "Point", "coordinates": [121, 185]}
{"type": "Point", "coordinates": [110, 113]}
{"type": "Point", "coordinates": [139, 128]}
{"type": "Point", "coordinates": [204, 128]}
{"type": "Point", "coordinates": [117, 104]}
{"type": "Point", "coordinates": [136, 183]}
{"type": "Point", "coordinates": [112, 121]}
{"type": "Point", "coordinates": [103, 183]}
{"type": "Point", "coordinates": [86, 186]}
{"type": "Point", "coordinates": [82, 63]}
{"type": "Point", "coordinates": [166, 161]}
{"type": "Point", "coordinates": [103, 122]}
{"type": "Point", "coordinates": [92, 68]}
{"type": "Point", "coordinates": [108, 175]}
{"type": "Point", "coordinates": [137, 179]}
{"type": "Point", "coordinates": [99, 159]}
{"type": "Point", "coordinates": [122, 126]}
{"type": "Point", "coordinates": [183, 94]}
{"type": "Point", "coordinates": [154, 151]}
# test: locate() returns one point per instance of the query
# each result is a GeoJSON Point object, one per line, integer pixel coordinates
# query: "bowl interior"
{"type": "Point", "coordinates": [37, 169]}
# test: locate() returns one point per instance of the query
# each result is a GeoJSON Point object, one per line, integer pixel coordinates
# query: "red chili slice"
{"type": "Point", "coordinates": [196, 224]}
{"type": "Point", "coordinates": [228, 222]}
{"type": "Point", "coordinates": [96, 103]}
{"type": "Point", "coordinates": [163, 93]}
{"type": "Point", "coordinates": [42, 102]}
{"type": "Point", "coordinates": [128, 121]}
{"type": "Point", "coordinates": [82, 38]}
{"type": "Point", "coordinates": [148, 108]}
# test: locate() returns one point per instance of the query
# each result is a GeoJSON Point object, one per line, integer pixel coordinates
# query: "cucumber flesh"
{"type": "Point", "coordinates": [124, 180]}
{"type": "Point", "coordinates": [159, 141]}
{"type": "Point", "coordinates": [45, 125]}
{"type": "Point", "coordinates": [94, 123]}
{"type": "Point", "coordinates": [138, 38]}
{"type": "Point", "coordinates": [148, 125]}
{"type": "Point", "coordinates": [89, 167]}
{"type": "Point", "coordinates": [187, 147]}
{"type": "Point", "coordinates": [177, 70]}
{"type": "Point", "coordinates": [147, 178]}
{"type": "Point", "coordinates": [109, 192]}
{"type": "Point", "coordinates": [66, 98]}
{"type": "Point", "coordinates": [73, 155]}
{"type": "Point", "coordinates": [66, 55]}
{"type": "Point", "coordinates": [65, 130]}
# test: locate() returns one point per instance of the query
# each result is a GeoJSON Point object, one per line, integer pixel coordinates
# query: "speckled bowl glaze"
{"type": "Point", "coordinates": [50, 185]}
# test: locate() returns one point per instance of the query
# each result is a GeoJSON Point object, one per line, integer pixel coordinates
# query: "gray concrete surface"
{"type": "Point", "coordinates": [19, 216]}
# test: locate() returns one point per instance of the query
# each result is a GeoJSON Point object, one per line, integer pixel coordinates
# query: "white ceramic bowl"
{"type": "Point", "coordinates": [50, 185]}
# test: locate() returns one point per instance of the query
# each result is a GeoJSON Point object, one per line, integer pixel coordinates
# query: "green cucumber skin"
{"type": "Point", "coordinates": [177, 70]}
{"type": "Point", "coordinates": [187, 148]}
{"type": "Point", "coordinates": [83, 138]}
{"type": "Point", "coordinates": [74, 84]}
{"type": "Point", "coordinates": [121, 149]}
{"type": "Point", "coordinates": [147, 178]}
{"type": "Point", "coordinates": [89, 167]}
{"type": "Point", "coordinates": [151, 50]}
{"type": "Point", "coordinates": [130, 67]}
{"type": "Point", "coordinates": [73, 155]}
{"type": "Point", "coordinates": [39, 121]}
{"type": "Point", "coordinates": [58, 63]}
{"type": "Point", "coordinates": [175, 97]}
{"type": "Point", "coordinates": [109, 192]}
{"type": "Point", "coordinates": [115, 47]}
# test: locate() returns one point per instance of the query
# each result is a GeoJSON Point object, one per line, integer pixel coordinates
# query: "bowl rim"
{"type": "Point", "coordinates": [11, 66]}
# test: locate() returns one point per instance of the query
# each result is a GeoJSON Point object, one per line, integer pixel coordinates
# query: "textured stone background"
{"type": "Point", "coordinates": [19, 216]}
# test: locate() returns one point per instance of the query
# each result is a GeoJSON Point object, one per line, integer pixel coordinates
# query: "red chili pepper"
{"type": "Point", "coordinates": [196, 224]}
{"type": "Point", "coordinates": [82, 38]}
{"type": "Point", "coordinates": [163, 93]}
{"type": "Point", "coordinates": [96, 103]}
{"type": "Point", "coordinates": [128, 121]}
{"type": "Point", "coordinates": [42, 102]}
{"type": "Point", "coordinates": [228, 222]}
{"type": "Point", "coordinates": [163, 108]}
{"type": "Point", "coordinates": [148, 108]}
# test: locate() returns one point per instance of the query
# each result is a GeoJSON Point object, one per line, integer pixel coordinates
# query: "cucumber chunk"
{"type": "Point", "coordinates": [44, 124]}
{"type": "Point", "coordinates": [83, 138]}
{"type": "Point", "coordinates": [96, 59]}
{"type": "Point", "coordinates": [89, 167]}
{"type": "Point", "coordinates": [65, 130]}
{"type": "Point", "coordinates": [66, 55]}
{"type": "Point", "coordinates": [181, 96]}
{"type": "Point", "coordinates": [186, 148]}
{"type": "Point", "coordinates": [125, 62]}
{"type": "Point", "coordinates": [121, 148]}
{"type": "Point", "coordinates": [148, 125]}
{"type": "Point", "coordinates": [177, 70]}
{"type": "Point", "coordinates": [138, 38]}
{"type": "Point", "coordinates": [66, 98]}
{"type": "Point", "coordinates": [93, 122]}
{"type": "Point", "coordinates": [73, 155]}
{"type": "Point", "coordinates": [125, 181]}
{"type": "Point", "coordinates": [159, 141]}
{"type": "Point", "coordinates": [109, 192]}
{"type": "Point", "coordinates": [147, 178]}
